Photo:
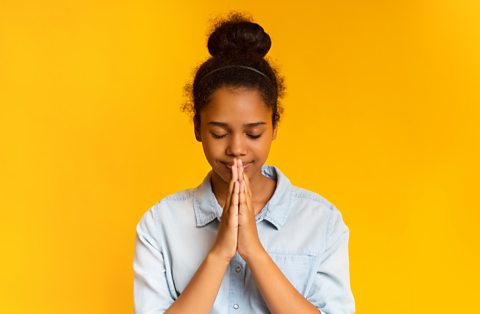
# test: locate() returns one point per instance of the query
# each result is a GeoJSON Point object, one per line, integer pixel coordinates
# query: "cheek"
{"type": "Point", "coordinates": [264, 145]}
{"type": "Point", "coordinates": [212, 149]}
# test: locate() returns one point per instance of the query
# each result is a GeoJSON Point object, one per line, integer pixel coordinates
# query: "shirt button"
{"type": "Point", "coordinates": [238, 269]}
{"type": "Point", "coordinates": [235, 306]}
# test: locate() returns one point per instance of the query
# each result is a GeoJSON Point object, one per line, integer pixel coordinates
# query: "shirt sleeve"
{"type": "Point", "coordinates": [151, 293]}
{"type": "Point", "coordinates": [331, 292]}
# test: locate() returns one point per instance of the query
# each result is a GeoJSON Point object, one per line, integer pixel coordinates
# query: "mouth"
{"type": "Point", "coordinates": [230, 165]}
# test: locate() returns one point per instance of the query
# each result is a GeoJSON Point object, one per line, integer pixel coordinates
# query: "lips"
{"type": "Point", "coordinates": [230, 164]}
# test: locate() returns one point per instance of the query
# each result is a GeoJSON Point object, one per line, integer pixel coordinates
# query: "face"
{"type": "Point", "coordinates": [236, 124]}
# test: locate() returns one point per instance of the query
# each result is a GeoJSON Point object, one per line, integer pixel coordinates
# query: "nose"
{"type": "Point", "coordinates": [236, 146]}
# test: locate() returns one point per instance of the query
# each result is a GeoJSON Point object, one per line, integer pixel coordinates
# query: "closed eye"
{"type": "Point", "coordinates": [249, 135]}
{"type": "Point", "coordinates": [218, 136]}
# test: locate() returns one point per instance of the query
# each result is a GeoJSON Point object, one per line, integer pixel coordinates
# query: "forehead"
{"type": "Point", "coordinates": [236, 106]}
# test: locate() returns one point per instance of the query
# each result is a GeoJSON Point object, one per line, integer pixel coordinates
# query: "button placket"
{"type": "Point", "coordinates": [236, 285]}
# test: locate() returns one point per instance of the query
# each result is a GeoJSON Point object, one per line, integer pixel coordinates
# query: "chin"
{"type": "Point", "coordinates": [220, 172]}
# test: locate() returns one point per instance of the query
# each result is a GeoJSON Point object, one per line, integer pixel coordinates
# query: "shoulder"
{"type": "Point", "coordinates": [317, 206]}
{"type": "Point", "coordinates": [169, 205]}
{"type": "Point", "coordinates": [178, 196]}
{"type": "Point", "coordinates": [311, 199]}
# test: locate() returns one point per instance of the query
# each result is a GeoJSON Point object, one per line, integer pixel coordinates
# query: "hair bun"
{"type": "Point", "coordinates": [238, 37]}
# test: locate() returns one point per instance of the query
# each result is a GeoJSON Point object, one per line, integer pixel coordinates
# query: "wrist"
{"type": "Point", "coordinates": [256, 255]}
{"type": "Point", "coordinates": [218, 257]}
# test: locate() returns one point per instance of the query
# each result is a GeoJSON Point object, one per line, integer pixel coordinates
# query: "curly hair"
{"type": "Point", "coordinates": [237, 46]}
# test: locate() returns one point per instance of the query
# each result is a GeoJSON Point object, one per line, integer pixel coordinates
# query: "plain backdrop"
{"type": "Point", "coordinates": [381, 118]}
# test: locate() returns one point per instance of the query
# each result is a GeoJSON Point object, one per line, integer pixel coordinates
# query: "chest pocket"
{"type": "Point", "coordinates": [297, 268]}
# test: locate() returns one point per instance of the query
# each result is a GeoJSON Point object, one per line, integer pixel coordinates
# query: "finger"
{"type": "Point", "coordinates": [232, 207]}
{"type": "Point", "coordinates": [231, 185]}
{"type": "Point", "coordinates": [234, 170]}
{"type": "Point", "coordinates": [231, 173]}
{"type": "Point", "coordinates": [242, 206]}
{"type": "Point", "coordinates": [247, 185]}
{"type": "Point", "coordinates": [235, 197]}
{"type": "Point", "coordinates": [248, 192]}
{"type": "Point", "coordinates": [240, 170]}
{"type": "Point", "coordinates": [232, 177]}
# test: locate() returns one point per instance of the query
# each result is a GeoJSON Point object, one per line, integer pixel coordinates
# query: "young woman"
{"type": "Point", "coordinates": [245, 240]}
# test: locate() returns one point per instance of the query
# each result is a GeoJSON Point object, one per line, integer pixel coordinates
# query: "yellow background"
{"type": "Point", "coordinates": [381, 117]}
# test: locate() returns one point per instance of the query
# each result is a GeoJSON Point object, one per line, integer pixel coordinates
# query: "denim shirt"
{"type": "Point", "coordinates": [303, 233]}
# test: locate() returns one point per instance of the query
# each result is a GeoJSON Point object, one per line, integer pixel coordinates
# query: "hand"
{"type": "Point", "coordinates": [248, 242]}
{"type": "Point", "coordinates": [225, 245]}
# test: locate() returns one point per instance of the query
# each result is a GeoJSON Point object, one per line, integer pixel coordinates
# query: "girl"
{"type": "Point", "coordinates": [245, 240]}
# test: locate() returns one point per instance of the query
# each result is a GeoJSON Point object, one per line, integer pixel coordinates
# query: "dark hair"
{"type": "Point", "coordinates": [236, 40]}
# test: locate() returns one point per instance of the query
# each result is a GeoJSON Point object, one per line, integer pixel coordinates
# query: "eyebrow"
{"type": "Point", "coordinates": [245, 125]}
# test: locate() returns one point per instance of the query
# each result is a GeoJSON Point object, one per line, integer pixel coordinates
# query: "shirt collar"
{"type": "Point", "coordinates": [276, 210]}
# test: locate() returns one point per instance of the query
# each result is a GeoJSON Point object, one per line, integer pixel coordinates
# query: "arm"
{"type": "Point", "coordinates": [278, 293]}
{"type": "Point", "coordinates": [151, 290]}
{"type": "Point", "coordinates": [200, 294]}
{"type": "Point", "coordinates": [331, 291]}
{"type": "Point", "coordinates": [150, 287]}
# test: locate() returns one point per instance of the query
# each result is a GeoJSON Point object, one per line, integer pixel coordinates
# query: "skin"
{"type": "Point", "coordinates": [243, 193]}
{"type": "Point", "coordinates": [229, 109]}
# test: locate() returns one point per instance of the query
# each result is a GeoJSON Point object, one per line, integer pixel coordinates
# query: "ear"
{"type": "Point", "coordinates": [196, 130]}
{"type": "Point", "coordinates": [275, 132]}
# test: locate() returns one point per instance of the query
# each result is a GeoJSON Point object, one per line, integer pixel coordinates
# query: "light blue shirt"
{"type": "Point", "coordinates": [302, 232]}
